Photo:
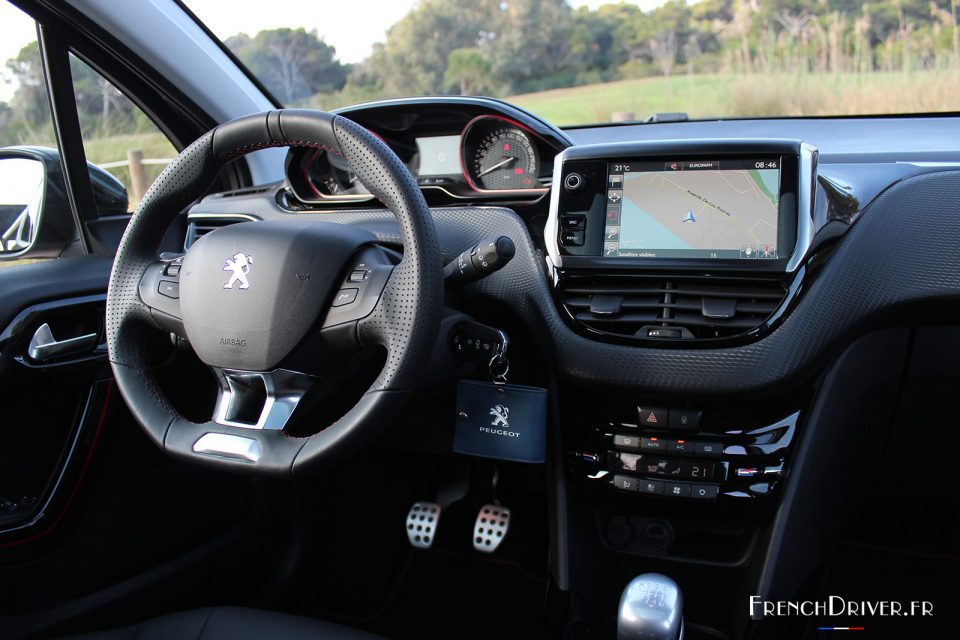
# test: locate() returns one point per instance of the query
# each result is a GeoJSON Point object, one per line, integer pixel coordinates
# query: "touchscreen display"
{"type": "Point", "coordinates": [439, 156]}
{"type": "Point", "coordinates": [711, 209]}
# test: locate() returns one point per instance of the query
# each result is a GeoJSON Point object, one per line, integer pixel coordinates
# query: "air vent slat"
{"type": "Point", "coordinates": [730, 292]}
{"type": "Point", "coordinates": [644, 318]}
{"type": "Point", "coordinates": [701, 307]}
{"type": "Point", "coordinates": [200, 227]}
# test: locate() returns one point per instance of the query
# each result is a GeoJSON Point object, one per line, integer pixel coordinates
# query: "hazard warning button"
{"type": "Point", "coordinates": [652, 417]}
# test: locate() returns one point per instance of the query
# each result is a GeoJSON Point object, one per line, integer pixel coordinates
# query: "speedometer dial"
{"type": "Point", "coordinates": [500, 156]}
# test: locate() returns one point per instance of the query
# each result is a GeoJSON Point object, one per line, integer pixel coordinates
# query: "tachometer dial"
{"type": "Point", "coordinates": [504, 158]}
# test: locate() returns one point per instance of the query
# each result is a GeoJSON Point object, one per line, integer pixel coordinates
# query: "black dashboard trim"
{"type": "Point", "coordinates": [877, 274]}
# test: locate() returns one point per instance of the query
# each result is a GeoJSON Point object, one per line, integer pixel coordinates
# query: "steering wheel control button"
{"type": "Point", "coordinates": [573, 181]}
{"type": "Point", "coordinates": [652, 417]}
{"type": "Point", "coordinates": [651, 487]}
{"type": "Point", "coordinates": [626, 483]}
{"type": "Point", "coordinates": [491, 527]}
{"type": "Point", "coordinates": [629, 443]}
{"type": "Point", "coordinates": [169, 289]}
{"type": "Point", "coordinates": [708, 448]}
{"type": "Point", "coordinates": [358, 276]}
{"type": "Point", "coordinates": [653, 444]}
{"type": "Point", "coordinates": [704, 491]}
{"type": "Point", "coordinates": [172, 270]}
{"type": "Point", "coordinates": [422, 522]}
{"type": "Point", "coordinates": [684, 419]}
{"type": "Point", "coordinates": [345, 297]}
{"type": "Point", "coordinates": [677, 489]}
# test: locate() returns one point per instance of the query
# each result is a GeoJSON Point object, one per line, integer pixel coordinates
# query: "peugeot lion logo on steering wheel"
{"type": "Point", "coordinates": [239, 267]}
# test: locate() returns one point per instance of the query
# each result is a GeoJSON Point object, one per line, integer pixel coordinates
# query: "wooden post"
{"type": "Point", "coordinates": [138, 179]}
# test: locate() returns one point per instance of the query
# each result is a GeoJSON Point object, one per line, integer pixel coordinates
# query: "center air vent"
{"type": "Point", "coordinates": [199, 227]}
{"type": "Point", "coordinates": [660, 307]}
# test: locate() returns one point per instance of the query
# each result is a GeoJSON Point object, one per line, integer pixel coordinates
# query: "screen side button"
{"type": "Point", "coordinates": [571, 237]}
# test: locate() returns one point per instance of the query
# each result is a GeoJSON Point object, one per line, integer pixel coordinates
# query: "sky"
{"type": "Point", "coordinates": [335, 22]}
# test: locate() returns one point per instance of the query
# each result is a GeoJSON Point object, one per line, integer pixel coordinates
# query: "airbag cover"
{"type": "Point", "coordinates": [250, 292]}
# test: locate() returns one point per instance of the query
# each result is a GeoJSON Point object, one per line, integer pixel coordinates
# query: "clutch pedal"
{"type": "Point", "coordinates": [493, 522]}
{"type": "Point", "coordinates": [422, 521]}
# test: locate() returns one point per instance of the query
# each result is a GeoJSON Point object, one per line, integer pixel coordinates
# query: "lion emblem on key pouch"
{"type": "Point", "coordinates": [500, 414]}
{"type": "Point", "coordinates": [239, 267]}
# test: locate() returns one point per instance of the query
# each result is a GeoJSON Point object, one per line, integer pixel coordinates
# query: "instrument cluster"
{"type": "Point", "coordinates": [453, 153]}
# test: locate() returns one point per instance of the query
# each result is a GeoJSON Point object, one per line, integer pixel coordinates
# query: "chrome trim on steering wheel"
{"type": "Point", "coordinates": [270, 396]}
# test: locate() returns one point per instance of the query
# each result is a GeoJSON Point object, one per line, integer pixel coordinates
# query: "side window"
{"type": "Point", "coordinates": [118, 136]}
{"type": "Point", "coordinates": [24, 122]}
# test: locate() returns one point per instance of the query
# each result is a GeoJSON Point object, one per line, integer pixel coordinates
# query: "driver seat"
{"type": "Point", "coordinates": [230, 623]}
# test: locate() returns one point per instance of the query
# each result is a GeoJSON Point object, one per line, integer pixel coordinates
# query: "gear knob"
{"type": "Point", "coordinates": [651, 608]}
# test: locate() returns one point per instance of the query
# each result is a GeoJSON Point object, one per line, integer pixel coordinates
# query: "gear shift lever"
{"type": "Point", "coordinates": [651, 608]}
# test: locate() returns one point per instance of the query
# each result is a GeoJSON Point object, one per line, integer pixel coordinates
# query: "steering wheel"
{"type": "Point", "coordinates": [267, 304]}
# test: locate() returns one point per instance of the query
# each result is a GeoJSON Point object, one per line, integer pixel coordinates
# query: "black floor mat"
{"type": "Point", "coordinates": [447, 596]}
{"type": "Point", "coordinates": [358, 568]}
{"type": "Point", "coordinates": [904, 551]}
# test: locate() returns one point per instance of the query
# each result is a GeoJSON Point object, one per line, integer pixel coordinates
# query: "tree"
{"type": "Point", "coordinates": [530, 52]}
{"type": "Point", "coordinates": [293, 63]}
{"type": "Point", "coordinates": [468, 71]}
{"type": "Point", "coordinates": [663, 48]}
{"type": "Point", "coordinates": [413, 60]}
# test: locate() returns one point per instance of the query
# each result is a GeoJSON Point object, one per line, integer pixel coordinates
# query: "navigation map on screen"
{"type": "Point", "coordinates": [693, 209]}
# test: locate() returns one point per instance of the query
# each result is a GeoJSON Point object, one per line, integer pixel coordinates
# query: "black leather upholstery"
{"type": "Point", "coordinates": [230, 623]}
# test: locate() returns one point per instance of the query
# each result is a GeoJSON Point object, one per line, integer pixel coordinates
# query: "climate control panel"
{"type": "Point", "coordinates": [666, 454]}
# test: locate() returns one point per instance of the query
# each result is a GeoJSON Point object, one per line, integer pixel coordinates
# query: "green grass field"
{"type": "Point", "coordinates": [705, 96]}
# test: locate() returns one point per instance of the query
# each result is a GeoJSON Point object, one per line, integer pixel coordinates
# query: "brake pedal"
{"type": "Point", "coordinates": [422, 521]}
{"type": "Point", "coordinates": [493, 522]}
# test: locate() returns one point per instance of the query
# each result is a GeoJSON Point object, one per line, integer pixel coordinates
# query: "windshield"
{"type": "Point", "coordinates": [575, 62]}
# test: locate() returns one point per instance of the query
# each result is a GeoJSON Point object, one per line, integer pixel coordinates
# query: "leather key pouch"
{"type": "Point", "coordinates": [501, 421]}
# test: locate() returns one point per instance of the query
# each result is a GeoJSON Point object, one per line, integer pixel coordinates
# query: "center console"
{"type": "Point", "coordinates": [687, 245]}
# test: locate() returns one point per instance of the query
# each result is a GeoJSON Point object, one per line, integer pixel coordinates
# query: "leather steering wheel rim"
{"type": "Point", "coordinates": [404, 321]}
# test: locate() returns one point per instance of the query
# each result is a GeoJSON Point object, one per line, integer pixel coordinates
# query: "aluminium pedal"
{"type": "Point", "coordinates": [493, 522]}
{"type": "Point", "coordinates": [422, 521]}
